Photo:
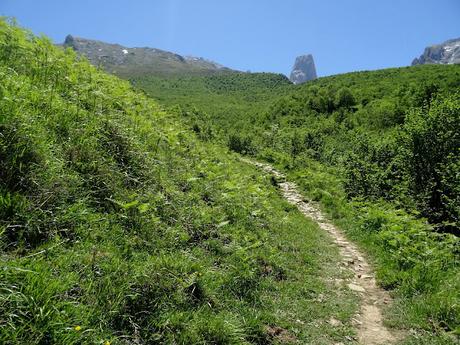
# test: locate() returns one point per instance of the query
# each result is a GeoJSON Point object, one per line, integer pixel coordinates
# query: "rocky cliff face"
{"type": "Point", "coordinates": [304, 69]}
{"type": "Point", "coordinates": [129, 62]}
{"type": "Point", "coordinates": [444, 53]}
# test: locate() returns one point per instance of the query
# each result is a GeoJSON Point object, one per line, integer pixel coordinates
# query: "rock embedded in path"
{"type": "Point", "coordinates": [335, 323]}
{"type": "Point", "coordinates": [356, 288]}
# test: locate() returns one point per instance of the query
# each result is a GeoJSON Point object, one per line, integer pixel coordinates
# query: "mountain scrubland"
{"type": "Point", "coordinates": [128, 217]}
{"type": "Point", "coordinates": [378, 149]}
{"type": "Point", "coordinates": [119, 226]}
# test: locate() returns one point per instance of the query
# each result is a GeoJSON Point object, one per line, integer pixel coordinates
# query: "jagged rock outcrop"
{"type": "Point", "coordinates": [304, 69]}
{"type": "Point", "coordinates": [444, 53]}
{"type": "Point", "coordinates": [130, 62]}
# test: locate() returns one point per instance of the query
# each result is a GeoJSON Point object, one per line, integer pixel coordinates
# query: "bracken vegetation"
{"type": "Point", "coordinates": [379, 150]}
{"type": "Point", "coordinates": [122, 222]}
{"type": "Point", "coordinates": [118, 226]}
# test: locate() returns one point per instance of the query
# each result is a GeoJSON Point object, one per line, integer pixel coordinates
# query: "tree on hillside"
{"type": "Point", "coordinates": [431, 156]}
{"type": "Point", "coordinates": [344, 98]}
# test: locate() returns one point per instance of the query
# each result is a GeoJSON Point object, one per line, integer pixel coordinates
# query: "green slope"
{"type": "Point", "coordinates": [378, 149]}
{"type": "Point", "coordinates": [218, 103]}
{"type": "Point", "coordinates": [118, 226]}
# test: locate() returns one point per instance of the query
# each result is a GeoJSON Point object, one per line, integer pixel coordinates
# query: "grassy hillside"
{"type": "Point", "coordinates": [378, 149]}
{"type": "Point", "coordinates": [395, 133]}
{"type": "Point", "coordinates": [118, 226]}
{"type": "Point", "coordinates": [217, 103]}
{"type": "Point", "coordinates": [369, 123]}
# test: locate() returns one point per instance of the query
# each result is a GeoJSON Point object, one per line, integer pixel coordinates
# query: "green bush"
{"type": "Point", "coordinates": [431, 154]}
{"type": "Point", "coordinates": [241, 144]}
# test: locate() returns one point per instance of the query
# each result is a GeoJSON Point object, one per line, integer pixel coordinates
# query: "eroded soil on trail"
{"type": "Point", "coordinates": [369, 320]}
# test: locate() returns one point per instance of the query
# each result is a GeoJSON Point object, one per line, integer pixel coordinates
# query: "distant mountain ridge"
{"type": "Point", "coordinates": [125, 61]}
{"type": "Point", "coordinates": [444, 53]}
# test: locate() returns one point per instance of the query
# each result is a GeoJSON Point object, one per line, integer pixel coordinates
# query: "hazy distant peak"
{"type": "Point", "coordinates": [203, 60]}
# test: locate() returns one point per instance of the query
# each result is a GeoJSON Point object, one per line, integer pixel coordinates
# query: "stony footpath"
{"type": "Point", "coordinates": [369, 320]}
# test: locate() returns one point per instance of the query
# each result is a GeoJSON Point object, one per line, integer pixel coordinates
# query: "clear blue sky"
{"type": "Point", "coordinates": [256, 35]}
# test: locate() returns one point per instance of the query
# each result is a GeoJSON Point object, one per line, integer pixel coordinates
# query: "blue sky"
{"type": "Point", "coordinates": [256, 35]}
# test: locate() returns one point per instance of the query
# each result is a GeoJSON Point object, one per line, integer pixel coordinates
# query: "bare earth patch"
{"type": "Point", "coordinates": [369, 321]}
{"type": "Point", "coordinates": [281, 334]}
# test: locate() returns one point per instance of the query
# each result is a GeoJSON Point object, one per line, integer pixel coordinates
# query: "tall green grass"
{"type": "Point", "coordinates": [118, 226]}
{"type": "Point", "coordinates": [417, 264]}
{"type": "Point", "coordinates": [378, 149]}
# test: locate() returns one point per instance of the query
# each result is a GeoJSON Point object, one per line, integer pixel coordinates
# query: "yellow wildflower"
{"type": "Point", "coordinates": [77, 328]}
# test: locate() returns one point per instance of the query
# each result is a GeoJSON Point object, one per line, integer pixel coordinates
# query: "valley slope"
{"type": "Point", "coordinates": [378, 150]}
{"type": "Point", "coordinates": [129, 220]}
{"type": "Point", "coordinates": [119, 226]}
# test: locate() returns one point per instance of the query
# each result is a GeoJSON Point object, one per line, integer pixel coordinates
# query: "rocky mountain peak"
{"type": "Point", "coordinates": [69, 40]}
{"type": "Point", "coordinates": [304, 69]}
{"type": "Point", "coordinates": [130, 61]}
{"type": "Point", "coordinates": [444, 53]}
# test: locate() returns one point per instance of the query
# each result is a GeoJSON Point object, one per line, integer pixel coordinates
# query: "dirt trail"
{"type": "Point", "coordinates": [369, 321]}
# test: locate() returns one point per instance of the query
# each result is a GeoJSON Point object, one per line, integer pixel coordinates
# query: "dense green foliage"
{"type": "Point", "coordinates": [419, 265]}
{"type": "Point", "coordinates": [219, 103]}
{"type": "Point", "coordinates": [371, 123]}
{"type": "Point", "coordinates": [379, 150]}
{"type": "Point", "coordinates": [118, 226]}
{"type": "Point", "coordinates": [395, 133]}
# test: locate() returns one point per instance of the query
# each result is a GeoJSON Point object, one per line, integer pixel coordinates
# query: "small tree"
{"type": "Point", "coordinates": [431, 157]}
{"type": "Point", "coordinates": [241, 144]}
{"type": "Point", "coordinates": [296, 146]}
{"type": "Point", "coordinates": [344, 98]}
